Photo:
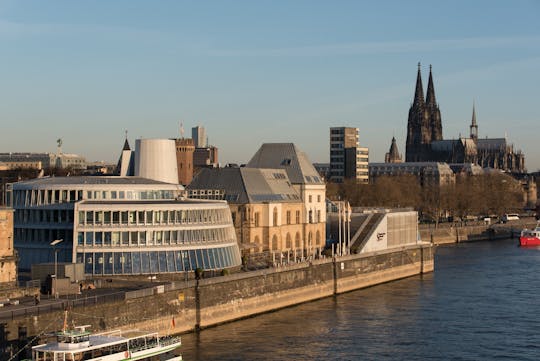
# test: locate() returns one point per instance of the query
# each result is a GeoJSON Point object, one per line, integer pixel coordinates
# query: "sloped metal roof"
{"type": "Point", "coordinates": [286, 156]}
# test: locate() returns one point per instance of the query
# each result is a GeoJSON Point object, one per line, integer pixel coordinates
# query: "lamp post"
{"type": "Point", "coordinates": [53, 244]}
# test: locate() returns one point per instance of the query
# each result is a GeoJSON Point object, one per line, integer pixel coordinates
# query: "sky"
{"type": "Point", "coordinates": [261, 71]}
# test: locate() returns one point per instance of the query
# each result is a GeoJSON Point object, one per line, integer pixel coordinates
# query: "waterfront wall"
{"type": "Point", "coordinates": [450, 233]}
{"type": "Point", "coordinates": [202, 303]}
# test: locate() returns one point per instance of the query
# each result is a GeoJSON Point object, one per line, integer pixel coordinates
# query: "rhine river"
{"type": "Point", "coordinates": [481, 303]}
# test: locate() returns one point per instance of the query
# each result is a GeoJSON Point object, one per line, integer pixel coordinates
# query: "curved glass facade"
{"type": "Point", "coordinates": [121, 229]}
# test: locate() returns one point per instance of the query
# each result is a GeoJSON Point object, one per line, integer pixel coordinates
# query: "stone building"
{"type": "Point", "coordinates": [425, 141]}
{"type": "Point", "coordinates": [427, 173]}
{"type": "Point", "coordinates": [184, 157]}
{"type": "Point", "coordinates": [8, 266]}
{"type": "Point", "coordinates": [268, 213]}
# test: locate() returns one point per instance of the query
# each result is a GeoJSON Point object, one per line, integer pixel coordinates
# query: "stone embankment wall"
{"type": "Point", "coordinates": [454, 233]}
{"type": "Point", "coordinates": [202, 303]}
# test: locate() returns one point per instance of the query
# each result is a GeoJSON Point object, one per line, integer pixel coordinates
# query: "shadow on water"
{"type": "Point", "coordinates": [480, 303]}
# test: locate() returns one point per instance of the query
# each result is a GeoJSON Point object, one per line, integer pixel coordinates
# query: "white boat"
{"type": "Point", "coordinates": [81, 345]}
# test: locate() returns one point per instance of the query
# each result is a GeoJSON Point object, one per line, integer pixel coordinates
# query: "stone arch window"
{"type": "Point", "coordinates": [297, 240]}
{"type": "Point", "coordinates": [288, 241]}
{"type": "Point", "coordinates": [275, 217]}
{"type": "Point", "coordinates": [274, 243]}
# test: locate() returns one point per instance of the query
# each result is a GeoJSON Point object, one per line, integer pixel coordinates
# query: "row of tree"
{"type": "Point", "coordinates": [488, 194]}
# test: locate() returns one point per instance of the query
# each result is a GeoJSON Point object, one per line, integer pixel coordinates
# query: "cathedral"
{"type": "Point", "coordinates": [425, 141]}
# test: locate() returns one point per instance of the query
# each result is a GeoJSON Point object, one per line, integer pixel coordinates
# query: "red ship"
{"type": "Point", "coordinates": [530, 237]}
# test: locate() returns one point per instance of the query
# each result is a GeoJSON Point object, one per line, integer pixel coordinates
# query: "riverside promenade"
{"type": "Point", "coordinates": [473, 231]}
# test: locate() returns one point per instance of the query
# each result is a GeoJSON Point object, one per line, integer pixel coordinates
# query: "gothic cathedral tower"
{"type": "Point", "coordinates": [424, 124]}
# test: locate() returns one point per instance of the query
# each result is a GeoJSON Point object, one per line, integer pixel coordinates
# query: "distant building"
{"type": "Point", "coordinates": [425, 141]}
{"type": "Point", "coordinates": [206, 157]}
{"type": "Point", "coordinates": [184, 157]}
{"type": "Point", "coordinates": [198, 134]}
{"type": "Point", "coordinates": [427, 173]}
{"type": "Point", "coordinates": [323, 169]}
{"type": "Point", "coordinates": [347, 159]}
{"type": "Point", "coordinates": [8, 266]}
{"type": "Point", "coordinates": [47, 160]}
{"type": "Point", "coordinates": [393, 155]}
{"type": "Point", "coordinates": [120, 226]}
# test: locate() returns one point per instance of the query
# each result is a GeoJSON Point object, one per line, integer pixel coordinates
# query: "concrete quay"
{"type": "Point", "coordinates": [185, 306]}
{"type": "Point", "coordinates": [454, 233]}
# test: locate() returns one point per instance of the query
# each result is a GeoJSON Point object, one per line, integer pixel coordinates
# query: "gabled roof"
{"type": "Point", "coordinates": [286, 156]}
{"type": "Point", "coordinates": [247, 185]}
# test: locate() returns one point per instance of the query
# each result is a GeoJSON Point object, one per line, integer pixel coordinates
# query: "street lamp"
{"type": "Point", "coordinates": [53, 244]}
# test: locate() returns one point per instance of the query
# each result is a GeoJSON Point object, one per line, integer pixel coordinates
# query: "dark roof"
{"type": "Point", "coordinates": [90, 180]}
{"type": "Point", "coordinates": [246, 185]}
{"type": "Point", "coordinates": [286, 156]}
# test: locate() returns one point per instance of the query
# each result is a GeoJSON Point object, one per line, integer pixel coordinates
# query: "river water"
{"type": "Point", "coordinates": [481, 303]}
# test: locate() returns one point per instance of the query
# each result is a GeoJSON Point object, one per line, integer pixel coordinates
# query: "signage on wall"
{"type": "Point", "coordinates": [380, 236]}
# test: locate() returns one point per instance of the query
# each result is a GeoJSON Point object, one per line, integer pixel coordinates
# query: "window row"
{"type": "Point", "coordinates": [43, 235]}
{"type": "Point", "coordinates": [43, 216]}
{"type": "Point", "coordinates": [150, 238]}
{"type": "Point", "coordinates": [202, 216]}
{"type": "Point", "coordinates": [36, 197]}
{"type": "Point", "coordinates": [111, 263]}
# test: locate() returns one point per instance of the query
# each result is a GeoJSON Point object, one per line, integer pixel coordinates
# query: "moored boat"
{"type": "Point", "coordinates": [530, 237]}
{"type": "Point", "coordinates": [80, 344]}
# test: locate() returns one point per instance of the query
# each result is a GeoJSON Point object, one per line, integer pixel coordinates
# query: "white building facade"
{"type": "Point", "coordinates": [120, 226]}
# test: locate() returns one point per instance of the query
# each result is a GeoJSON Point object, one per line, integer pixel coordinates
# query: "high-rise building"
{"type": "Point", "coordinates": [347, 159]}
{"type": "Point", "coordinates": [198, 134]}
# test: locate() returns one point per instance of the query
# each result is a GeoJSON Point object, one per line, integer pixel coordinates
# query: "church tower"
{"type": "Point", "coordinates": [433, 112]}
{"type": "Point", "coordinates": [418, 126]}
{"type": "Point", "coordinates": [474, 126]}
{"type": "Point", "coordinates": [393, 155]}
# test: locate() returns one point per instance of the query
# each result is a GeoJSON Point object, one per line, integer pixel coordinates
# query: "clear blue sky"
{"type": "Point", "coordinates": [263, 71]}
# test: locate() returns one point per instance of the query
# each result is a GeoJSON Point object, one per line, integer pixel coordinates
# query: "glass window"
{"type": "Point", "coordinates": [170, 262]}
{"type": "Point", "coordinates": [108, 263]}
{"type": "Point", "coordinates": [80, 238]}
{"type": "Point", "coordinates": [192, 260]}
{"type": "Point", "coordinates": [98, 264]}
{"type": "Point", "coordinates": [99, 217]}
{"type": "Point", "coordinates": [145, 262]}
{"type": "Point", "coordinates": [118, 263]}
{"type": "Point", "coordinates": [154, 262]}
{"type": "Point", "coordinates": [89, 263]}
{"type": "Point", "coordinates": [140, 215]}
{"type": "Point", "coordinates": [81, 217]}
{"type": "Point", "coordinates": [107, 238]}
{"type": "Point", "coordinates": [162, 262]}
{"type": "Point", "coordinates": [200, 262]}
{"type": "Point", "coordinates": [89, 217]}
{"type": "Point", "coordinates": [127, 263]}
{"type": "Point", "coordinates": [116, 217]}
{"type": "Point", "coordinates": [89, 238]}
{"type": "Point", "coordinates": [115, 238]}
{"type": "Point", "coordinates": [107, 217]}
{"type": "Point", "coordinates": [136, 262]}
{"type": "Point", "coordinates": [98, 238]}
{"type": "Point", "coordinates": [142, 238]}
{"type": "Point", "coordinates": [149, 217]}
{"type": "Point", "coordinates": [210, 254]}
{"type": "Point", "coordinates": [179, 260]}
{"type": "Point", "coordinates": [125, 238]}
{"type": "Point", "coordinates": [132, 217]}
{"type": "Point", "coordinates": [134, 239]}
{"type": "Point", "coordinates": [124, 217]}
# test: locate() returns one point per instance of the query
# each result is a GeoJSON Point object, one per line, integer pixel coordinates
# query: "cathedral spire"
{"type": "Point", "coordinates": [430, 95]}
{"type": "Point", "coordinates": [419, 92]}
{"type": "Point", "coordinates": [474, 126]}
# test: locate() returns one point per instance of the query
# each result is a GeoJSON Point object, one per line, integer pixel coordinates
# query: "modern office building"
{"type": "Point", "coordinates": [198, 134]}
{"type": "Point", "coordinates": [347, 159]}
{"type": "Point", "coordinates": [206, 157]}
{"type": "Point", "coordinates": [120, 226]}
